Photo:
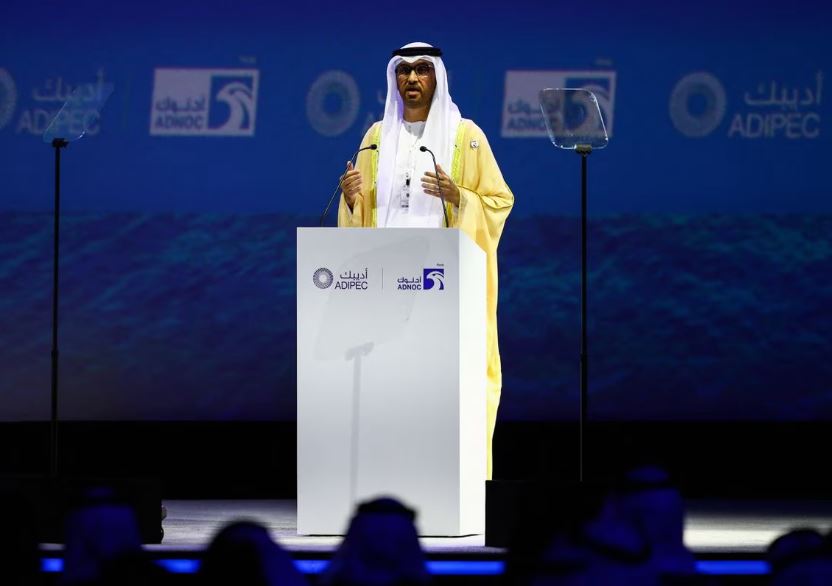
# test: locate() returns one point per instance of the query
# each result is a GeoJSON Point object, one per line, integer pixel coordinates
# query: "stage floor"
{"type": "Point", "coordinates": [712, 527]}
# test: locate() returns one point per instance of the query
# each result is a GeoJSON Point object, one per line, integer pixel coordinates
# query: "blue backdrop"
{"type": "Point", "coordinates": [711, 215]}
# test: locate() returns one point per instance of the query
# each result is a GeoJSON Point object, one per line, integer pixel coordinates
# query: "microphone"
{"type": "Point", "coordinates": [372, 147]}
{"type": "Point", "coordinates": [425, 149]}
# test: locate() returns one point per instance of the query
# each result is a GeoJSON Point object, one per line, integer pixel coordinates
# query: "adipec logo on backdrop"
{"type": "Point", "coordinates": [522, 117]}
{"type": "Point", "coordinates": [697, 104]}
{"type": "Point", "coordinates": [8, 97]}
{"type": "Point", "coordinates": [772, 109]}
{"type": "Point", "coordinates": [36, 111]}
{"type": "Point", "coordinates": [204, 102]}
{"type": "Point", "coordinates": [332, 103]}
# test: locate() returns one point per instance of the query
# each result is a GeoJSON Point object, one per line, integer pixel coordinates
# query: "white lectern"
{"type": "Point", "coordinates": [391, 376]}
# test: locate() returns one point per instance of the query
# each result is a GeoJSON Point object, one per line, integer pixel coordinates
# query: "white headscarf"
{"type": "Point", "coordinates": [439, 136]}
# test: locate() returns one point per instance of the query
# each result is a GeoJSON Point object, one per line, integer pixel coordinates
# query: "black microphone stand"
{"type": "Point", "coordinates": [582, 130]}
{"type": "Point", "coordinates": [57, 144]}
{"type": "Point", "coordinates": [425, 149]}
{"type": "Point", "coordinates": [371, 147]}
{"type": "Point", "coordinates": [584, 151]}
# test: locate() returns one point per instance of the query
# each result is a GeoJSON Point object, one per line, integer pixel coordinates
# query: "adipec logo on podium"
{"type": "Point", "coordinates": [322, 278]}
{"type": "Point", "coordinates": [204, 102]}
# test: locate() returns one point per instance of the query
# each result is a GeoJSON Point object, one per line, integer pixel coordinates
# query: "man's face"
{"type": "Point", "coordinates": [417, 83]}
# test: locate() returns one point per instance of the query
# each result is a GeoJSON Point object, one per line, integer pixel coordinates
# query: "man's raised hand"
{"type": "Point", "coordinates": [431, 185]}
{"type": "Point", "coordinates": [351, 184]}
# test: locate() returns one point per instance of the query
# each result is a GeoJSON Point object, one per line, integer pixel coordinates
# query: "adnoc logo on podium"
{"type": "Point", "coordinates": [434, 278]}
{"type": "Point", "coordinates": [204, 102]}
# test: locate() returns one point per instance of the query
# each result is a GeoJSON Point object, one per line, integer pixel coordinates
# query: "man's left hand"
{"type": "Point", "coordinates": [431, 185]}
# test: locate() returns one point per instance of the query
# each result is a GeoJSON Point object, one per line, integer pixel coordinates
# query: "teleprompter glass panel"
{"type": "Point", "coordinates": [573, 118]}
{"type": "Point", "coordinates": [80, 112]}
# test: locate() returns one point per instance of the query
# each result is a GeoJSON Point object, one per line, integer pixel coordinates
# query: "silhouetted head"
{"type": "Point", "coordinates": [244, 554]}
{"type": "Point", "coordinates": [381, 548]}
{"type": "Point", "coordinates": [588, 542]}
{"type": "Point", "coordinates": [99, 531]}
{"type": "Point", "coordinates": [800, 558]}
{"type": "Point", "coordinates": [648, 497]}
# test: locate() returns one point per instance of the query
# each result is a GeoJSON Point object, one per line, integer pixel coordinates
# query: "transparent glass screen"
{"type": "Point", "coordinates": [80, 112]}
{"type": "Point", "coordinates": [573, 118]}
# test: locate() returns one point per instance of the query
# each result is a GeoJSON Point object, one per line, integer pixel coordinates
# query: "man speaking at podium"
{"type": "Point", "coordinates": [398, 186]}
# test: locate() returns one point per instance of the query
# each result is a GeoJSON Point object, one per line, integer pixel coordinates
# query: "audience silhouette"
{"type": "Point", "coordinates": [629, 532]}
{"type": "Point", "coordinates": [801, 557]}
{"type": "Point", "coordinates": [244, 554]}
{"type": "Point", "coordinates": [381, 548]}
{"type": "Point", "coordinates": [97, 533]}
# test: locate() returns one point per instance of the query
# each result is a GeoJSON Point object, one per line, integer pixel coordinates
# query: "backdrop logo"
{"type": "Point", "coordinates": [204, 102]}
{"type": "Point", "coordinates": [697, 104]}
{"type": "Point", "coordinates": [46, 100]}
{"type": "Point", "coordinates": [778, 109]}
{"type": "Point", "coordinates": [774, 108]}
{"type": "Point", "coordinates": [8, 97]}
{"type": "Point", "coordinates": [322, 278]}
{"type": "Point", "coordinates": [434, 277]}
{"type": "Point", "coordinates": [332, 103]}
{"type": "Point", "coordinates": [522, 117]}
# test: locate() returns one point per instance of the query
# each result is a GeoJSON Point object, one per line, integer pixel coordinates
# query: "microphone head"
{"type": "Point", "coordinates": [423, 149]}
{"type": "Point", "coordinates": [373, 147]}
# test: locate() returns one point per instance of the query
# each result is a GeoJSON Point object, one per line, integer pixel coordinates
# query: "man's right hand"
{"type": "Point", "coordinates": [351, 184]}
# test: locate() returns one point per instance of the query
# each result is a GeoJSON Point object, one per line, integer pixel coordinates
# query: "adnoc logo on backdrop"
{"type": "Point", "coordinates": [204, 102]}
{"type": "Point", "coordinates": [8, 97]}
{"type": "Point", "coordinates": [522, 117]}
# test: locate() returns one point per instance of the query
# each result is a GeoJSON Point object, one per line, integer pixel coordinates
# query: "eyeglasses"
{"type": "Point", "coordinates": [422, 70]}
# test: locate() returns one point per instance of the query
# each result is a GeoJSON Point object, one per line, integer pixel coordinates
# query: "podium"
{"type": "Point", "coordinates": [391, 376]}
